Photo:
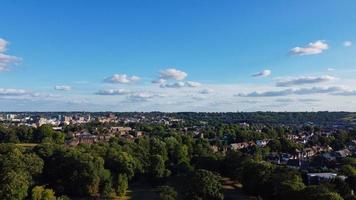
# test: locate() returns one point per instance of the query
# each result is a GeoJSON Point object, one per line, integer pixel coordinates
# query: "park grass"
{"type": "Point", "coordinates": [141, 191]}
{"type": "Point", "coordinates": [28, 145]}
{"type": "Point", "coordinates": [233, 190]}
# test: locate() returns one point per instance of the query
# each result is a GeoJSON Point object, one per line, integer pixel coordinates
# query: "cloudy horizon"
{"type": "Point", "coordinates": [174, 60]}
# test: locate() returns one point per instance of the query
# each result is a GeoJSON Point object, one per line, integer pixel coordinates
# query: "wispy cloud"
{"type": "Point", "coordinates": [6, 61]}
{"type": "Point", "coordinates": [290, 100]}
{"type": "Point", "coordinates": [333, 90]}
{"type": "Point", "coordinates": [3, 44]}
{"type": "Point", "coordinates": [181, 84]}
{"type": "Point", "coordinates": [141, 97]}
{"type": "Point", "coordinates": [113, 92]}
{"type": "Point", "coordinates": [159, 81]}
{"type": "Point", "coordinates": [193, 84]}
{"type": "Point", "coordinates": [63, 87]}
{"type": "Point", "coordinates": [263, 73]}
{"type": "Point", "coordinates": [304, 80]}
{"type": "Point", "coordinates": [121, 78]}
{"type": "Point", "coordinates": [12, 92]}
{"type": "Point", "coordinates": [330, 69]}
{"type": "Point", "coordinates": [316, 47]}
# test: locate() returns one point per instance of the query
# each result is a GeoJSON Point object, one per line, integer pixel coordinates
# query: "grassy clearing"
{"type": "Point", "coordinates": [31, 145]}
{"type": "Point", "coordinates": [350, 118]}
{"type": "Point", "coordinates": [233, 190]}
{"type": "Point", "coordinates": [138, 192]}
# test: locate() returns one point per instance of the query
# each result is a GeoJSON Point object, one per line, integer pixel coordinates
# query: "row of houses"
{"type": "Point", "coordinates": [84, 137]}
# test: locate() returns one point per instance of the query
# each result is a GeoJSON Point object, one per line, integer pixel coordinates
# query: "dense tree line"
{"type": "Point", "coordinates": [194, 118]}
{"type": "Point", "coordinates": [25, 134]}
{"type": "Point", "coordinates": [180, 165]}
{"type": "Point", "coordinates": [278, 182]}
{"type": "Point", "coordinates": [104, 169]}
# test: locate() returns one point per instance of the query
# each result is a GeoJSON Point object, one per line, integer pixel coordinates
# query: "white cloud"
{"type": "Point", "coordinates": [289, 100]}
{"type": "Point", "coordinates": [12, 92]}
{"type": "Point", "coordinates": [330, 69]}
{"type": "Point", "coordinates": [206, 91]}
{"type": "Point", "coordinates": [141, 97]}
{"type": "Point", "coordinates": [263, 73]}
{"type": "Point", "coordinates": [181, 84]}
{"type": "Point", "coordinates": [6, 61]}
{"type": "Point", "coordinates": [333, 90]}
{"type": "Point", "coordinates": [112, 92]}
{"type": "Point", "coordinates": [316, 47]}
{"type": "Point", "coordinates": [3, 44]}
{"type": "Point", "coordinates": [347, 43]}
{"type": "Point", "coordinates": [134, 78]}
{"type": "Point", "coordinates": [173, 74]}
{"type": "Point", "coordinates": [192, 84]}
{"type": "Point", "coordinates": [159, 81]}
{"type": "Point", "coordinates": [63, 87]}
{"type": "Point", "coordinates": [121, 78]}
{"type": "Point", "coordinates": [346, 93]}
{"type": "Point", "coordinates": [304, 80]}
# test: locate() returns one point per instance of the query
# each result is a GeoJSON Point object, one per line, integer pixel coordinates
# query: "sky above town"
{"type": "Point", "coordinates": [183, 55]}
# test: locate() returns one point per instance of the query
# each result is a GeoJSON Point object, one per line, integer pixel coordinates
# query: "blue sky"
{"type": "Point", "coordinates": [213, 55]}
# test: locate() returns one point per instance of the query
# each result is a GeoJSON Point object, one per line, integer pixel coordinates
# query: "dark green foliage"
{"type": "Point", "coordinates": [25, 134]}
{"type": "Point", "coordinates": [42, 193]}
{"type": "Point", "coordinates": [167, 193]}
{"type": "Point", "coordinates": [255, 176]}
{"type": "Point", "coordinates": [166, 157]}
{"type": "Point", "coordinates": [82, 171]}
{"type": "Point", "coordinates": [157, 167]}
{"type": "Point", "coordinates": [122, 185]}
{"type": "Point", "coordinates": [204, 185]}
{"type": "Point", "coordinates": [18, 170]}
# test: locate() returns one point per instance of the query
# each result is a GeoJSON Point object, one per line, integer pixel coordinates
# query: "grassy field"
{"type": "Point", "coordinates": [232, 191]}
{"type": "Point", "coordinates": [139, 191]}
{"type": "Point", "coordinates": [27, 144]}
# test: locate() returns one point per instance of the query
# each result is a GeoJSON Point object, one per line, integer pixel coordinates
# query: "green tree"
{"type": "Point", "coordinates": [18, 170]}
{"type": "Point", "coordinates": [119, 161]}
{"type": "Point", "coordinates": [255, 176]}
{"type": "Point", "coordinates": [348, 170]}
{"type": "Point", "coordinates": [14, 185]}
{"type": "Point", "coordinates": [48, 194]}
{"type": "Point", "coordinates": [330, 196]}
{"type": "Point", "coordinates": [106, 189]}
{"type": "Point", "coordinates": [158, 147]}
{"type": "Point", "coordinates": [37, 192]}
{"type": "Point", "coordinates": [122, 185]}
{"type": "Point", "coordinates": [82, 179]}
{"type": "Point", "coordinates": [167, 193]}
{"type": "Point", "coordinates": [285, 183]}
{"type": "Point", "coordinates": [157, 167]}
{"type": "Point", "coordinates": [204, 185]}
{"type": "Point", "coordinates": [41, 193]}
{"type": "Point", "coordinates": [319, 192]}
